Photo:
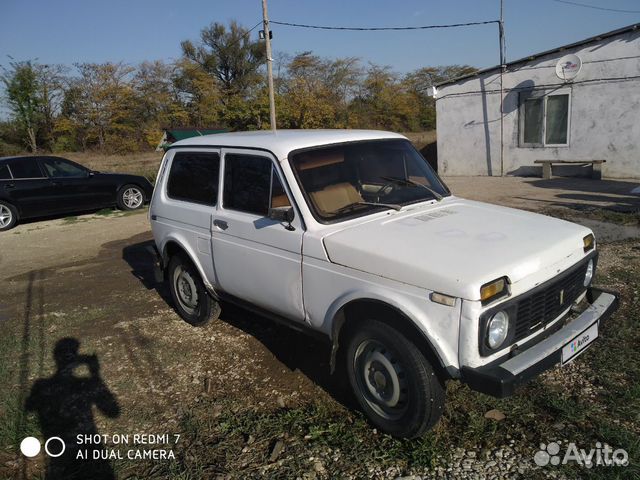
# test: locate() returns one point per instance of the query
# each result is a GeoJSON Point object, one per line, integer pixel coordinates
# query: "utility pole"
{"type": "Point", "coordinates": [267, 39]}
{"type": "Point", "coordinates": [502, 69]}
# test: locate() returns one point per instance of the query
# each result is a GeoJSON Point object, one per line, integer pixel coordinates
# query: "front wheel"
{"type": "Point", "coordinates": [130, 197]}
{"type": "Point", "coordinates": [392, 380]}
{"type": "Point", "coordinates": [190, 297]}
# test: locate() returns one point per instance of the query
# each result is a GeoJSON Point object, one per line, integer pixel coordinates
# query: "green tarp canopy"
{"type": "Point", "coordinates": [175, 134]}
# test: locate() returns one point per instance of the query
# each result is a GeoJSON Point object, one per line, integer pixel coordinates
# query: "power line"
{"type": "Point", "coordinates": [578, 4]}
{"type": "Point", "coordinates": [360, 29]}
{"type": "Point", "coordinates": [543, 86]}
{"type": "Point", "coordinates": [247, 33]}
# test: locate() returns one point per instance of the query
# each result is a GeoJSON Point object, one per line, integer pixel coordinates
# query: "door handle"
{"type": "Point", "coordinates": [221, 224]}
{"type": "Point", "coordinates": [9, 186]}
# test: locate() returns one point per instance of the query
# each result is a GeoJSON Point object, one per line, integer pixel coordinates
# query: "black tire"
{"type": "Point", "coordinates": [8, 216]}
{"type": "Point", "coordinates": [193, 303]}
{"type": "Point", "coordinates": [410, 399]}
{"type": "Point", "coordinates": [130, 197]}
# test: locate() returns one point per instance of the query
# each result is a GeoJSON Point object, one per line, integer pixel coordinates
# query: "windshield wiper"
{"type": "Point", "coordinates": [406, 181]}
{"type": "Point", "coordinates": [351, 206]}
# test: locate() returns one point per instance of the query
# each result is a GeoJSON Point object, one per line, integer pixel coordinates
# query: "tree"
{"type": "Point", "coordinates": [51, 80]}
{"type": "Point", "coordinates": [23, 98]}
{"type": "Point", "coordinates": [307, 101]}
{"type": "Point", "coordinates": [384, 102]}
{"type": "Point", "coordinates": [426, 77]}
{"type": "Point", "coordinates": [315, 92]}
{"type": "Point", "coordinates": [418, 81]}
{"type": "Point", "coordinates": [197, 93]}
{"type": "Point", "coordinates": [104, 101]}
{"type": "Point", "coordinates": [157, 103]}
{"type": "Point", "coordinates": [229, 56]}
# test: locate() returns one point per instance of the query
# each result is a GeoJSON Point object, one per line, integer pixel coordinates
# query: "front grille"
{"type": "Point", "coordinates": [545, 305]}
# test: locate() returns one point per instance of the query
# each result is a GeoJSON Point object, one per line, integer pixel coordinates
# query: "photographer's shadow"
{"type": "Point", "coordinates": [64, 405]}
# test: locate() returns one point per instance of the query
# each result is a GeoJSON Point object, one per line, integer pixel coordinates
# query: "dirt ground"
{"type": "Point", "coordinates": [250, 398]}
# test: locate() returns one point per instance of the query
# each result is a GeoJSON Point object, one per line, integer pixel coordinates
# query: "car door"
{"type": "Point", "coordinates": [70, 185]}
{"type": "Point", "coordinates": [29, 189]}
{"type": "Point", "coordinates": [255, 258]}
{"type": "Point", "coordinates": [189, 195]}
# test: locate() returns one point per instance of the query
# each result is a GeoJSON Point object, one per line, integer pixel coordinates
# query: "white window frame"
{"type": "Point", "coordinates": [545, 96]}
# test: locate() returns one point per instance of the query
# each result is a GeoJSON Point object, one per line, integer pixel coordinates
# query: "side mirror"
{"type": "Point", "coordinates": [281, 214]}
{"type": "Point", "coordinates": [91, 173]}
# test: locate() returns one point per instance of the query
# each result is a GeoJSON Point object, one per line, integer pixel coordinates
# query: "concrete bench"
{"type": "Point", "coordinates": [596, 173]}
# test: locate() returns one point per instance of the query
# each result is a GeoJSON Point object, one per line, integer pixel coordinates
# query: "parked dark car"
{"type": "Point", "coordinates": [38, 186]}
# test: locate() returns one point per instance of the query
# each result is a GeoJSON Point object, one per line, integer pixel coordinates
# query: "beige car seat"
{"type": "Point", "coordinates": [334, 197]}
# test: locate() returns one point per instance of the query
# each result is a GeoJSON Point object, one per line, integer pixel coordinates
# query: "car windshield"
{"type": "Point", "coordinates": [353, 179]}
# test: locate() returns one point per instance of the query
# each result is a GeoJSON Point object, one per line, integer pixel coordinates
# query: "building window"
{"type": "Point", "coordinates": [544, 119]}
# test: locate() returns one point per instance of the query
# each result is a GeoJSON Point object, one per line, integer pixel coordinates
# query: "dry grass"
{"type": "Point", "coordinates": [145, 163]}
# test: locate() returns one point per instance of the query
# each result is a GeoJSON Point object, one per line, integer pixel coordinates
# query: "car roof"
{"type": "Point", "coordinates": [281, 142]}
{"type": "Point", "coordinates": [24, 157]}
{"type": "Point", "coordinates": [15, 157]}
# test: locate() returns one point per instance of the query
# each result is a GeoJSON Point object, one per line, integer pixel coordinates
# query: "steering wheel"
{"type": "Point", "coordinates": [389, 186]}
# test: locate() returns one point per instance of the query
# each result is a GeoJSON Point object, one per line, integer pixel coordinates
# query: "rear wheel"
{"type": "Point", "coordinates": [190, 297]}
{"type": "Point", "coordinates": [394, 383]}
{"type": "Point", "coordinates": [130, 197]}
{"type": "Point", "coordinates": [8, 216]}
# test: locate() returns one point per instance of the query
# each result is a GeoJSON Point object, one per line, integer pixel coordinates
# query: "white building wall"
{"type": "Point", "coordinates": [604, 113]}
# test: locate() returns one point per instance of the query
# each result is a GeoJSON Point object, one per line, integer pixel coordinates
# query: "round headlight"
{"type": "Point", "coordinates": [497, 329]}
{"type": "Point", "coordinates": [588, 276]}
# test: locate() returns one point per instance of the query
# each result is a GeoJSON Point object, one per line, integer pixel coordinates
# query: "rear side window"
{"type": "Point", "coordinates": [252, 185]}
{"type": "Point", "coordinates": [25, 168]}
{"type": "Point", "coordinates": [5, 174]}
{"type": "Point", "coordinates": [57, 168]}
{"type": "Point", "coordinates": [194, 177]}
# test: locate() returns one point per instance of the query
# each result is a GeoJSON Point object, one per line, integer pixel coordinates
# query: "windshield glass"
{"type": "Point", "coordinates": [352, 179]}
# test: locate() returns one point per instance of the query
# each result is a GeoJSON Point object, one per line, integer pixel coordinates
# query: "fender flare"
{"type": "Point", "coordinates": [336, 317]}
{"type": "Point", "coordinates": [179, 242]}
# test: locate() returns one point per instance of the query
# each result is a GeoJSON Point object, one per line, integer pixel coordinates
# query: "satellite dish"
{"type": "Point", "coordinates": [568, 67]}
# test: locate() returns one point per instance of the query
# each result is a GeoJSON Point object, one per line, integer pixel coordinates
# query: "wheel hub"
{"type": "Point", "coordinates": [379, 380]}
{"type": "Point", "coordinates": [5, 216]}
{"type": "Point", "coordinates": [186, 290]}
{"type": "Point", "coordinates": [382, 379]}
{"type": "Point", "coordinates": [132, 197]}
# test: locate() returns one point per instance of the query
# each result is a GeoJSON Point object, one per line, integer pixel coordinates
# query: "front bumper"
{"type": "Point", "coordinates": [500, 378]}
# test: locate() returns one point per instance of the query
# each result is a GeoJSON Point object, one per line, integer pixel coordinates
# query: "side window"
{"type": "Point", "coordinates": [194, 177]}
{"type": "Point", "coordinates": [251, 185]}
{"type": "Point", "coordinates": [279, 197]}
{"type": "Point", "coordinates": [5, 174]}
{"type": "Point", "coordinates": [544, 120]}
{"type": "Point", "coordinates": [56, 168]}
{"type": "Point", "coordinates": [25, 168]}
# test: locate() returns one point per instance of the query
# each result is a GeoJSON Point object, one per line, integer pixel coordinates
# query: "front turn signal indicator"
{"type": "Point", "coordinates": [493, 290]}
{"type": "Point", "coordinates": [589, 242]}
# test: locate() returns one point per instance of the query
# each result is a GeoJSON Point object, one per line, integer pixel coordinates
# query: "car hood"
{"type": "Point", "coordinates": [125, 177]}
{"type": "Point", "coordinates": [456, 246]}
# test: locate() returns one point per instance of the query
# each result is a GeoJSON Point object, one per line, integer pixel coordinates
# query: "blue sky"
{"type": "Point", "coordinates": [69, 31]}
